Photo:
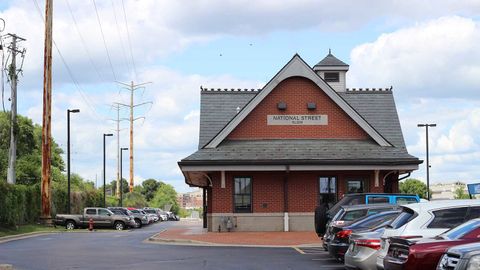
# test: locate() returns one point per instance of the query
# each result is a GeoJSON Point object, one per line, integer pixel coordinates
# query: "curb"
{"type": "Point", "coordinates": [187, 242]}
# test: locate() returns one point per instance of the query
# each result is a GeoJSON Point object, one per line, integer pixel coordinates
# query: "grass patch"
{"type": "Point", "coordinates": [7, 231]}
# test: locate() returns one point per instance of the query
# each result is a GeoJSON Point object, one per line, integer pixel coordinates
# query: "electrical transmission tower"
{"type": "Point", "coordinates": [132, 88]}
{"type": "Point", "coordinates": [117, 107]}
{"type": "Point", "coordinates": [12, 75]}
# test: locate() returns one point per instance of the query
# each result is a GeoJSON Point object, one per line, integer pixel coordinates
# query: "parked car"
{"type": "Point", "coordinates": [363, 249]}
{"type": "Point", "coordinates": [162, 214]}
{"type": "Point", "coordinates": [141, 218]}
{"type": "Point", "coordinates": [462, 257]}
{"type": "Point", "coordinates": [172, 216]}
{"type": "Point", "coordinates": [152, 213]}
{"type": "Point", "coordinates": [125, 212]}
{"type": "Point", "coordinates": [358, 199]}
{"type": "Point", "coordinates": [339, 244]}
{"type": "Point", "coordinates": [425, 253]}
{"type": "Point", "coordinates": [101, 217]}
{"type": "Point", "coordinates": [427, 220]}
{"type": "Point", "coordinates": [350, 213]}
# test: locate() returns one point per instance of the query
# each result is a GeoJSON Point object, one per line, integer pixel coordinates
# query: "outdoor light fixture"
{"type": "Point", "coordinates": [282, 106]}
{"type": "Point", "coordinates": [68, 156]}
{"type": "Point", "coordinates": [311, 105]}
{"type": "Point", "coordinates": [426, 126]}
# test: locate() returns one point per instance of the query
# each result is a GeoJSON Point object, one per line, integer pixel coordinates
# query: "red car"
{"type": "Point", "coordinates": [424, 253]}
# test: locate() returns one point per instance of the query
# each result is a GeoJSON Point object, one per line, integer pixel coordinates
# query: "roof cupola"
{"type": "Point", "coordinates": [333, 71]}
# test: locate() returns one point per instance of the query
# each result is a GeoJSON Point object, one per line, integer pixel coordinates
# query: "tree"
{"type": "Point", "coordinates": [166, 195]}
{"type": "Point", "coordinates": [29, 155]}
{"type": "Point", "coordinates": [414, 186]}
{"type": "Point", "coordinates": [460, 193]}
{"type": "Point", "coordinates": [150, 186]}
{"type": "Point", "coordinates": [113, 186]}
{"type": "Point", "coordinates": [134, 199]}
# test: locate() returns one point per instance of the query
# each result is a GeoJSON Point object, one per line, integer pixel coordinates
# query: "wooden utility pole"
{"type": "Point", "coordinates": [132, 87]}
{"type": "Point", "coordinates": [13, 77]}
{"type": "Point", "coordinates": [47, 116]}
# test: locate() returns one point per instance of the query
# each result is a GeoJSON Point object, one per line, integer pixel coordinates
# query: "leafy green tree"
{"type": "Point", "coordinates": [113, 186]}
{"type": "Point", "coordinates": [134, 199]}
{"type": "Point", "coordinates": [414, 186]}
{"type": "Point", "coordinates": [166, 195]}
{"type": "Point", "coordinates": [29, 155]}
{"type": "Point", "coordinates": [150, 186]}
{"type": "Point", "coordinates": [460, 193]}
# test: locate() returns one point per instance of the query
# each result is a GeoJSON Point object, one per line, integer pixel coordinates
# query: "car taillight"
{"type": "Point", "coordinates": [369, 243]}
{"type": "Point", "coordinates": [344, 233]}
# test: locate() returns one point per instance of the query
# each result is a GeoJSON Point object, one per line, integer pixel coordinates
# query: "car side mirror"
{"type": "Point", "coordinates": [109, 214]}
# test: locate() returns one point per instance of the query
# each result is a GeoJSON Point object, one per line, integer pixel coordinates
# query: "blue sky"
{"type": "Point", "coordinates": [429, 55]}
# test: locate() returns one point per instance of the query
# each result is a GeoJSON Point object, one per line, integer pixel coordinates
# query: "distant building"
{"type": "Point", "coordinates": [446, 191]}
{"type": "Point", "coordinates": [190, 200]}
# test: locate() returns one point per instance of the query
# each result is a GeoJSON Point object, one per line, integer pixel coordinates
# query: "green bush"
{"type": "Point", "coordinates": [21, 204]}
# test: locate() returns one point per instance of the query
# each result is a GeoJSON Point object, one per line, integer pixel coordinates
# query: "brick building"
{"type": "Point", "coordinates": [266, 156]}
{"type": "Point", "coordinates": [191, 200]}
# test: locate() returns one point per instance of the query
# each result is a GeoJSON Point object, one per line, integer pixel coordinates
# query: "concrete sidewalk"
{"type": "Point", "coordinates": [191, 232]}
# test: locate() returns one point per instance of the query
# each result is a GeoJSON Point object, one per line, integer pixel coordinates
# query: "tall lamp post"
{"type": "Point", "coordinates": [121, 177]}
{"type": "Point", "coordinates": [427, 164]}
{"type": "Point", "coordinates": [68, 155]}
{"type": "Point", "coordinates": [104, 182]}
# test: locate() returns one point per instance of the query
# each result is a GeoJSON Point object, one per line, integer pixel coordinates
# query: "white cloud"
{"type": "Point", "coordinates": [438, 58]}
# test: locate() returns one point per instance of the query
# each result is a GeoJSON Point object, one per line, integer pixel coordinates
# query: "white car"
{"type": "Point", "coordinates": [427, 219]}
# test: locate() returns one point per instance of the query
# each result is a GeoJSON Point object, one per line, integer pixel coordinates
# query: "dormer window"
{"type": "Point", "coordinates": [332, 76]}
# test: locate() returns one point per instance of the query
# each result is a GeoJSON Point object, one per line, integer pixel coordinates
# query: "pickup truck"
{"type": "Point", "coordinates": [101, 217]}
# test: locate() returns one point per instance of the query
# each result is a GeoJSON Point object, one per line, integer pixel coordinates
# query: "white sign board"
{"type": "Point", "coordinates": [301, 120]}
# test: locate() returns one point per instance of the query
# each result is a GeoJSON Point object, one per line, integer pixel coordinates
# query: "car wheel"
{"type": "Point", "coordinates": [119, 226]}
{"type": "Point", "coordinates": [70, 225]}
{"type": "Point", "coordinates": [138, 223]}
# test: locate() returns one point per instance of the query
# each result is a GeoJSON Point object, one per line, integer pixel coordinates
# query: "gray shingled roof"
{"type": "Point", "coordinates": [217, 108]}
{"type": "Point", "coordinates": [328, 151]}
{"type": "Point", "coordinates": [376, 107]}
{"type": "Point", "coordinates": [331, 60]}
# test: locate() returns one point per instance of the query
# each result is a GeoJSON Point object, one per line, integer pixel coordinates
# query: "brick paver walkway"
{"type": "Point", "coordinates": [187, 230]}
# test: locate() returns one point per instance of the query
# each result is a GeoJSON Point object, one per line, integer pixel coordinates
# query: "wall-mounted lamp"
{"type": "Point", "coordinates": [282, 106]}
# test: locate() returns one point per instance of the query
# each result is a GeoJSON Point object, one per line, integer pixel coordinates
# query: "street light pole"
{"type": "Point", "coordinates": [428, 163]}
{"type": "Point", "coordinates": [68, 155]}
{"type": "Point", "coordinates": [104, 182]}
{"type": "Point", "coordinates": [121, 177]}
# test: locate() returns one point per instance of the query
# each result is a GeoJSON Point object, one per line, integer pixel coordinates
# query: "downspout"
{"type": "Point", "coordinates": [285, 199]}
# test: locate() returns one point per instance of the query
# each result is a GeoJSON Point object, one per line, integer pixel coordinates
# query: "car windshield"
{"type": "Point", "coordinates": [150, 211]}
{"type": "Point", "coordinates": [129, 213]}
{"type": "Point", "coordinates": [461, 230]}
{"type": "Point", "coordinates": [135, 211]}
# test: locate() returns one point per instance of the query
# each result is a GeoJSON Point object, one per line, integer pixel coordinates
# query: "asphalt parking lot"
{"type": "Point", "coordinates": [130, 250]}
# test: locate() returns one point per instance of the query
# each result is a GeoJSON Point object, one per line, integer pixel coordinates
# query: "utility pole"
{"type": "Point", "coordinates": [13, 76]}
{"type": "Point", "coordinates": [132, 87]}
{"type": "Point", "coordinates": [46, 216]}
{"type": "Point", "coordinates": [117, 106]}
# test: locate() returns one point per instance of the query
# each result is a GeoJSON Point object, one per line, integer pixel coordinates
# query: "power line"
{"type": "Point", "coordinates": [83, 41]}
{"type": "Point", "coordinates": [120, 37]}
{"type": "Point", "coordinates": [129, 40]}
{"type": "Point", "coordinates": [75, 82]}
{"type": "Point", "coordinates": [104, 42]}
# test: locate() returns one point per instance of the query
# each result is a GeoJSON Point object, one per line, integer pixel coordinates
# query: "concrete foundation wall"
{"type": "Point", "coordinates": [261, 222]}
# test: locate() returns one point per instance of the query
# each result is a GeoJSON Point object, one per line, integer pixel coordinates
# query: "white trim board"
{"type": "Point", "coordinates": [297, 67]}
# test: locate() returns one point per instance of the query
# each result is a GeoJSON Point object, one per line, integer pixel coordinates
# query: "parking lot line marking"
{"type": "Point", "coordinates": [299, 250]}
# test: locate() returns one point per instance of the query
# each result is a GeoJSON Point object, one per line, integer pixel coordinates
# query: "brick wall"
{"type": "Point", "coordinates": [303, 189]}
{"type": "Point", "coordinates": [297, 92]}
